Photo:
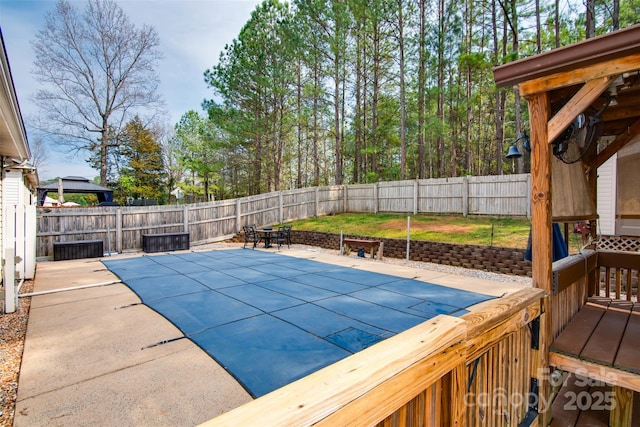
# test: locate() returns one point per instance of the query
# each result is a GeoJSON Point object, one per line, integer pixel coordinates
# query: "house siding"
{"type": "Point", "coordinates": [607, 196]}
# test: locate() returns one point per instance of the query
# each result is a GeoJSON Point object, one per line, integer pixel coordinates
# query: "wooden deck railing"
{"type": "Point", "coordinates": [572, 278]}
{"type": "Point", "coordinates": [472, 370]}
{"type": "Point", "coordinates": [619, 274]}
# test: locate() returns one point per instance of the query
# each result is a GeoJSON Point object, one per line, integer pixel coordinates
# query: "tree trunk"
{"type": "Point", "coordinates": [500, 97]}
{"type": "Point", "coordinates": [421, 98]}
{"type": "Point", "coordinates": [299, 123]}
{"type": "Point", "coordinates": [403, 108]}
{"type": "Point", "coordinates": [316, 137]}
{"type": "Point", "coordinates": [516, 93]}
{"type": "Point", "coordinates": [591, 18]}
{"type": "Point", "coordinates": [376, 97]}
{"type": "Point", "coordinates": [440, 163]}
{"type": "Point", "coordinates": [357, 148]}
{"type": "Point", "coordinates": [104, 152]}
{"type": "Point", "coordinates": [336, 121]}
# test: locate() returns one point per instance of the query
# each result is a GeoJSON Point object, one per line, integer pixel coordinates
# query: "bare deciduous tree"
{"type": "Point", "coordinates": [98, 71]}
{"type": "Point", "coordinates": [39, 153]}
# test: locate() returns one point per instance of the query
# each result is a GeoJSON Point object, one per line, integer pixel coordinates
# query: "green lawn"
{"type": "Point", "coordinates": [503, 232]}
{"type": "Point", "coordinates": [507, 232]}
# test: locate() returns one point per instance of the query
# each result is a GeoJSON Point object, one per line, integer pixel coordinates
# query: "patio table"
{"type": "Point", "coordinates": [267, 234]}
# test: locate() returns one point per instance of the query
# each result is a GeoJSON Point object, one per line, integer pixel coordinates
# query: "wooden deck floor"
{"type": "Point", "coordinates": [601, 348]}
{"type": "Point", "coordinates": [604, 332]}
{"type": "Point", "coordinates": [582, 402]}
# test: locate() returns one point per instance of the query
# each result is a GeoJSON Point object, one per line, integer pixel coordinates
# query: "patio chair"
{"type": "Point", "coordinates": [251, 235]}
{"type": "Point", "coordinates": [284, 236]}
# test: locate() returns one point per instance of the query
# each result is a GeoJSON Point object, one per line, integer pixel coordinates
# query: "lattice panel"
{"type": "Point", "coordinates": [619, 243]}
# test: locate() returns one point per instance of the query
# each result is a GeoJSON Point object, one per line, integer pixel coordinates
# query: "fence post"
{"type": "Point", "coordinates": [238, 215]}
{"type": "Point", "coordinates": [61, 222]}
{"type": "Point", "coordinates": [408, 236]}
{"type": "Point", "coordinates": [344, 199]}
{"type": "Point", "coordinates": [416, 189]}
{"type": "Point", "coordinates": [185, 217]}
{"type": "Point", "coordinates": [280, 208]}
{"type": "Point", "coordinates": [9, 261]}
{"type": "Point", "coordinates": [9, 280]}
{"type": "Point", "coordinates": [376, 196]}
{"type": "Point", "coordinates": [119, 230]}
{"type": "Point", "coordinates": [18, 232]}
{"type": "Point", "coordinates": [465, 196]}
{"type": "Point", "coordinates": [317, 200]}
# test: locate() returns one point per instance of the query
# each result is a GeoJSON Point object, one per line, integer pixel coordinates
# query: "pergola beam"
{"type": "Point", "coordinates": [577, 76]}
{"type": "Point", "coordinates": [576, 105]}
{"type": "Point", "coordinates": [622, 140]}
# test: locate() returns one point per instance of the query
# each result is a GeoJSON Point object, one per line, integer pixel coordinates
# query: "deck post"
{"type": "Point", "coordinates": [622, 412]}
{"type": "Point", "coordinates": [541, 192]}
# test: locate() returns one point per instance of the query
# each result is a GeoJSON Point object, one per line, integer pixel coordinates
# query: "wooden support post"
{"type": "Point", "coordinates": [529, 196]}
{"type": "Point", "coordinates": [622, 412]}
{"type": "Point", "coordinates": [185, 218]}
{"type": "Point", "coordinates": [541, 192]}
{"type": "Point", "coordinates": [317, 201]}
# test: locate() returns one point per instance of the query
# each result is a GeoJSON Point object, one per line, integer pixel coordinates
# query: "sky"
{"type": "Point", "coordinates": [192, 34]}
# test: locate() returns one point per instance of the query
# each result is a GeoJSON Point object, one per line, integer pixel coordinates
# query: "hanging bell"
{"type": "Point", "coordinates": [513, 152]}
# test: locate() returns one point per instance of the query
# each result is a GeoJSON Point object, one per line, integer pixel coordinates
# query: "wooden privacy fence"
{"type": "Point", "coordinates": [121, 228]}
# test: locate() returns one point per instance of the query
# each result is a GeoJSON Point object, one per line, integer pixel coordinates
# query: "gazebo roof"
{"type": "Point", "coordinates": [76, 184]}
{"type": "Point", "coordinates": [586, 75]}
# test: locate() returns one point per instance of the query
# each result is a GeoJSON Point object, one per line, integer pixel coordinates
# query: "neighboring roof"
{"type": "Point", "coordinates": [75, 184]}
{"type": "Point", "coordinates": [13, 137]}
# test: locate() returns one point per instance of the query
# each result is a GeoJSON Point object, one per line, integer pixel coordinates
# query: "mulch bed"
{"type": "Point", "coordinates": [13, 328]}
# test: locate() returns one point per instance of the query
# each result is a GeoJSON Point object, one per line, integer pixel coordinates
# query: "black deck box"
{"type": "Point", "coordinates": [77, 249]}
{"type": "Point", "coordinates": [165, 242]}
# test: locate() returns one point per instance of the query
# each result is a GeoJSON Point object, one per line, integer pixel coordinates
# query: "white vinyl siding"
{"type": "Point", "coordinates": [607, 196]}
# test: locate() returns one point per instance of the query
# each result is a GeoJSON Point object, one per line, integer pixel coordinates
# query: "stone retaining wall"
{"type": "Point", "coordinates": [487, 258]}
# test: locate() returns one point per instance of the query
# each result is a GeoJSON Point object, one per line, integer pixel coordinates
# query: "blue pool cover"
{"type": "Point", "coordinates": [270, 319]}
